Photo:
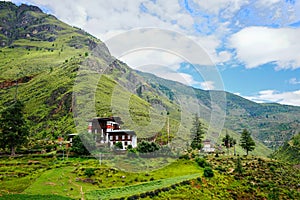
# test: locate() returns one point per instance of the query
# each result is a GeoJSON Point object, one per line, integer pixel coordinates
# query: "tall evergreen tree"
{"type": "Point", "coordinates": [228, 142]}
{"type": "Point", "coordinates": [197, 133]}
{"type": "Point", "coordinates": [247, 142]}
{"type": "Point", "coordinates": [13, 128]}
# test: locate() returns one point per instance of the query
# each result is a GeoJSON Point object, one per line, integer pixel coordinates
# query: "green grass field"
{"type": "Point", "coordinates": [34, 177]}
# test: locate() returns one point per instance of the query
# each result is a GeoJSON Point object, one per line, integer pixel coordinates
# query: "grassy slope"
{"type": "Point", "coordinates": [290, 151]}
{"type": "Point", "coordinates": [262, 178]}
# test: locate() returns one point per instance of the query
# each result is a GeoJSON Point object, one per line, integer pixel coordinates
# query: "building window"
{"type": "Point", "coordinates": [129, 137]}
{"type": "Point", "coordinates": [117, 137]}
{"type": "Point", "coordinates": [111, 137]}
{"type": "Point", "coordinates": [123, 137]}
{"type": "Point", "coordinates": [126, 143]}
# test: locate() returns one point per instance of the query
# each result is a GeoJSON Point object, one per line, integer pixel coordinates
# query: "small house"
{"type": "Point", "coordinates": [107, 131]}
{"type": "Point", "coordinates": [207, 146]}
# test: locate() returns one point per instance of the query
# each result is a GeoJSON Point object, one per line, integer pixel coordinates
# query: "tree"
{"type": "Point", "coordinates": [82, 144]}
{"type": "Point", "coordinates": [247, 142]}
{"type": "Point", "coordinates": [13, 127]}
{"type": "Point", "coordinates": [197, 133]}
{"type": "Point", "coordinates": [228, 142]}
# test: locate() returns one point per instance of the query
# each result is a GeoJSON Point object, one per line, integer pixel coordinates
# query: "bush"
{"type": "Point", "coordinates": [184, 156]}
{"type": "Point", "coordinates": [89, 172]}
{"type": "Point", "coordinates": [202, 162]}
{"type": "Point", "coordinates": [119, 145]}
{"type": "Point", "coordinates": [132, 153]}
{"type": "Point", "coordinates": [208, 172]}
{"type": "Point", "coordinates": [79, 148]}
{"type": "Point", "coordinates": [147, 147]}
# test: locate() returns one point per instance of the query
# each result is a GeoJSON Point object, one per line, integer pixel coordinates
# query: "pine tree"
{"type": "Point", "coordinates": [227, 142]}
{"type": "Point", "coordinates": [247, 142]}
{"type": "Point", "coordinates": [13, 128]}
{"type": "Point", "coordinates": [197, 133]}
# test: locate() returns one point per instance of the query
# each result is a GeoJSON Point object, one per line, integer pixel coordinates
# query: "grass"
{"type": "Point", "coordinates": [58, 181]}
{"type": "Point", "coordinates": [137, 189]}
{"type": "Point", "coordinates": [34, 176]}
{"type": "Point", "coordinates": [33, 197]}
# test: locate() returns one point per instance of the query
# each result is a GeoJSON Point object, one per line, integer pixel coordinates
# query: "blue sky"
{"type": "Point", "coordinates": [254, 45]}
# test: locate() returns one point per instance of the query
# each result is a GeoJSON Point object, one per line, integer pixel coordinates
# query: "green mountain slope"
{"type": "Point", "coordinates": [271, 124]}
{"type": "Point", "coordinates": [290, 151]}
{"type": "Point", "coordinates": [61, 73]}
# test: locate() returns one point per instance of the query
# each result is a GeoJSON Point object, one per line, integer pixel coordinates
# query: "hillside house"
{"type": "Point", "coordinates": [107, 131]}
{"type": "Point", "coordinates": [207, 147]}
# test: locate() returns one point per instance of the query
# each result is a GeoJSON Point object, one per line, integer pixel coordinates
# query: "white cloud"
{"type": "Point", "coordinates": [108, 19]}
{"type": "Point", "coordinates": [287, 98]}
{"type": "Point", "coordinates": [207, 85]}
{"type": "Point", "coordinates": [168, 72]}
{"type": "Point", "coordinates": [156, 57]}
{"type": "Point", "coordinates": [216, 6]}
{"type": "Point", "coordinates": [266, 3]}
{"type": "Point", "coordinates": [294, 81]}
{"type": "Point", "coordinates": [260, 45]}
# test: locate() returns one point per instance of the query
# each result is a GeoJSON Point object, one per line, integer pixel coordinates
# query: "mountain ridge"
{"type": "Point", "coordinates": [54, 54]}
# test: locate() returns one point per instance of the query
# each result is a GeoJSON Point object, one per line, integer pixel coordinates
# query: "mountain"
{"type": "Point", "coordinates": [289, 151]}
{"type": "Point", "coordinates": [65, 76]}
{"type": "Point", "coordinates": [270, 123]}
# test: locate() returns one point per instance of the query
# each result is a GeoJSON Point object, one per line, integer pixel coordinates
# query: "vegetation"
{"type": "Point", "coordinates": [197, 133]}
{"type": "Point", "coordinates": [239, 167]}
{"type": "Point", "coordinates": [228, 142]}
{"type": "Point", "coordinates": [119, 145]}
{"type": "Point", "coordinates": [290, 151]}
{"type": "Point", "coordinates": [247, 142]}
{"type": "Point", "coordinates": [83, 144]}
{"type": "Point", "coordinates": [13, 127]}
{"type": "Point", "coordinates": [36, 175]}
{"type": "Point", "coordinates": [208, 172]}
{"type": "Point", "coordinates": [147, 147]}
{"type": "Point", "coordinates": [45, 56]}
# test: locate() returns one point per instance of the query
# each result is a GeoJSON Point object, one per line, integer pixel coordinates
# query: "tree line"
{"type": "Point", "coordinates": [14, 132]}
{"type": "Point", "coordinates": [198, 132]}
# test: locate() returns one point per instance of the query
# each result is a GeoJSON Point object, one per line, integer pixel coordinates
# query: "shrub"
{"type": "Point", "coordinates": [208, 172]}
{"type": "Point", "coordinates": [147, 147]}
{"type": "Point", "coordinates": [239, 167]}
{"type": "Point", "coordinates": [119, 145]}
{"type": "Point", "coordinates": [79, 148]}
{"type": "Point", "coordinates": [202, 162]}
{"type": "Point", "coordinates": [89, 172]}
{"type": "Point", "coordinates": [184, 156]}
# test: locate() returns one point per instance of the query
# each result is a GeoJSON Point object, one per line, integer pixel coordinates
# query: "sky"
{"type": "Point", "coordinates": [252, 46]}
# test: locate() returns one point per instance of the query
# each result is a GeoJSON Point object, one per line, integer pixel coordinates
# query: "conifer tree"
{"type": "Point", "coordinates": [247, 142]}
{"type": "Point", "coordinates": [197, 133]}
{"type": "Point", "coordinates": [13, 127]}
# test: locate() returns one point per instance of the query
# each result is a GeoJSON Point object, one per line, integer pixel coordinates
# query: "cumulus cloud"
{"type": "Point", "coordinates": [267, 2]}
{"type": "Point", "coordinates": [287, 98]}
{"type": "Point", "coordinates": [216, 6]}
{"type": "Point", "coordinates": [256, 46]}
{"type": "Point", "coordinates": [170, 73]}
{"type": "Point", "coordinates": [207, 85]}
{"type": "Point", "coordinates": [106, 20]}
{"type": "Point", "coordinates": [294, 81]}
{"type": "Point", "coordinates": [156, 57]}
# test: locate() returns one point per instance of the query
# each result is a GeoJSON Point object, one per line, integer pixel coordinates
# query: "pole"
{"type": "Point", "coordinates": [168, 130]}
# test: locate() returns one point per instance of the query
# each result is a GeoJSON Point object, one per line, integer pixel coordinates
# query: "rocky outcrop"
{"type": "Point", "coordinates": [25, 22]}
